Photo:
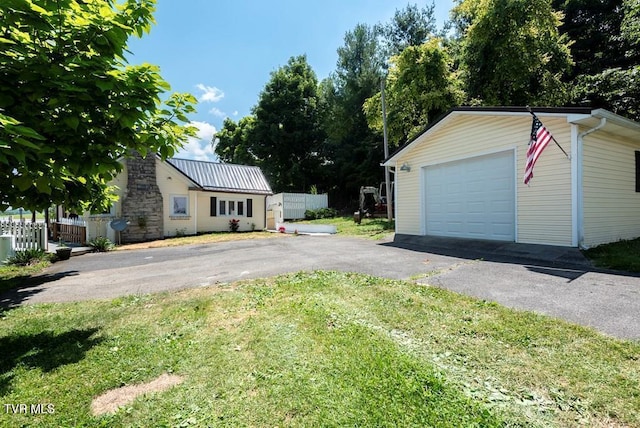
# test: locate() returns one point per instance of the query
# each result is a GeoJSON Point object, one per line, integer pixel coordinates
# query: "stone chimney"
{"type": "Point", "coordinates": [142, 205]}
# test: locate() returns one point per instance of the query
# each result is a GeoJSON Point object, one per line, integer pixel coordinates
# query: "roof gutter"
{"type": "Point", "coordinates": [579, 177]}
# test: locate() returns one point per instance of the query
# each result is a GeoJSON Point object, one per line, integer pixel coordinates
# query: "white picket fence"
{"type": "Point", "coordinates": [25, 235]}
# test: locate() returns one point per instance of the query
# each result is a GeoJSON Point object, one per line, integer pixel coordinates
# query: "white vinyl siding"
{"type": "Point", "coordinates": [611, 205]}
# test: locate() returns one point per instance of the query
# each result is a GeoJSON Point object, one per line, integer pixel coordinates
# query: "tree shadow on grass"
{"type": "Point", "coordinates": [45, 351]}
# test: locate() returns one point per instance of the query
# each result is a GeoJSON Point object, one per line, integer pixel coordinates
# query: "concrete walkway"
{"type": "Point", "coordinates": [76, 249]}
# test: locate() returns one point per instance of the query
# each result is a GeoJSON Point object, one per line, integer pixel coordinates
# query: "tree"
{"type": "Point", "coordinates": [594, 27]}
{"type": "Point", "coordinates": [606, 49]}
{"type": "Point", "coordinates": [410, 26]}
{"type": "Point", "coordinates": [232, 143]}
{"type": "Point", "coordinates": [617, 90]}
{"type": "Point", "coordinates": [420, 87]}
{"type": "Point", "coordinates": [511, 52]}
{"type": "Point", "coordinates": [355, 150]}
{"type": "Point", "coordinates": [630, 29]}
{"type": "Point", "coordinates": [70, 106]}
{"type": "Point", "coordinates": [285, 136]}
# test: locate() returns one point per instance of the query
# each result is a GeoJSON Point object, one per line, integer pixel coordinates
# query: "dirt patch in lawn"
{"type": "Point", "coordinates": [112, 400]}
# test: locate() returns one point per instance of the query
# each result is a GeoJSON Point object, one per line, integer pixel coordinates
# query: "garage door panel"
{"type": "Point", "coordinates": [454, 227]}
{"type": "Point", "coordinates": [474, 197]}
{"type": "Point", "coordinates": [476, 207]}
{"type": "Point", "coordinates": [502, 207]}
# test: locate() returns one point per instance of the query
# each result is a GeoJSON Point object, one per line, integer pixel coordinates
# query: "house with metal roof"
{"type": "Point", "coordinates": [464, 177]}
{"type": "Point", "coordinates": [161, 199]}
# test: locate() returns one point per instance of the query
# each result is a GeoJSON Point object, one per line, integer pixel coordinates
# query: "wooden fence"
{"type": "Point", "coordinates": [70, 231]}
{"type": "Point", "coordinates": [26, 235]}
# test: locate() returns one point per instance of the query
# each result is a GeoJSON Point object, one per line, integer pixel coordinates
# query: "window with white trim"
{"type": "Point", "coordinates": [231, 207]}
{"type": "Point", "coordinates": [179, 205]}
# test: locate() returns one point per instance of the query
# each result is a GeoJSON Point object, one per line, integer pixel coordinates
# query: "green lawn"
{"type": "Point", "coordinates": [315, 349]}
{"type": "Point", "coordinates": [373, 228]}
{"type": "Point", "coordinates": [311, 349]}
{"type": "Point", "coordinates": [621, 255]}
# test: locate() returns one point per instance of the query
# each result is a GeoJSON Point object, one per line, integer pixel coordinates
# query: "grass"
{"type": "Point", "coordinates": [372, 228]}
{"type": "Point", "coordinates": [15, 276]}
{"type": "Point", "coordinates": [208, 238]}
{"type": "Point", "coordinates": [315, 349]}
{"type": "Point", "coordinates": [622, 255]}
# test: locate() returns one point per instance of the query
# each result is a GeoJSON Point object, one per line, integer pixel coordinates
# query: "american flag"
{"type": "Point", "coordinates": [540, 137]}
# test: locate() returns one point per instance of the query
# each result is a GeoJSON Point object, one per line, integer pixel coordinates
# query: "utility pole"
{"type": "Point", "coordinates": [387, 182]}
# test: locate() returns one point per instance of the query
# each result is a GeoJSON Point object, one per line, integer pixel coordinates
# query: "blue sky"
{"type": "Point", "coordinates": [224, 51]}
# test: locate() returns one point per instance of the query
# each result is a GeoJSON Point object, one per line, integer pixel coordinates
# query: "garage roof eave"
{"type": "Point", "coordinates": [577, 115]}
{"type": "Point", "coordinates": [614, 123]}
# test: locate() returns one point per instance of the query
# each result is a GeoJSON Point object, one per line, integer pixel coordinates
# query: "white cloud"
{"type": "Point", "coordinates": [210, 94]}
{"type": "Point", "coordinates": [199, 147]}
{"type": "Point", "coordinates": [217, 112]}
{"type": "Point", "coordinates": [235, 113]}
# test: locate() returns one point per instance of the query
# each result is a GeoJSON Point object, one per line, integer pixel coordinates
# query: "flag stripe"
{"type": "Point", "coordinates": [540, 138]}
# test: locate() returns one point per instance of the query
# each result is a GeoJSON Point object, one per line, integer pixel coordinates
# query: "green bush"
{"type": "Point", "coordinates": [26, 257]}
{"type": "Point", "coordinates": [320, 213]}
{"type": "Point", "coordinates": [101, 244]}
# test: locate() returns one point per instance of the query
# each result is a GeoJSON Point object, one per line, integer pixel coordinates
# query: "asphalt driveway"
{"type": "Point", "coordinates": [557, 283]}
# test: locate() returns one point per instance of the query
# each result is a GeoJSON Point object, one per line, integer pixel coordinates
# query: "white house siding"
{"type": "Point", "coordinates": [543, 216]}
{"type": "Point", "coordinates": [611, 206]}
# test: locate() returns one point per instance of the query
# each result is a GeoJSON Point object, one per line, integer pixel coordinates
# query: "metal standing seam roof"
{"type": "Point", "coordinates": [223, 177]}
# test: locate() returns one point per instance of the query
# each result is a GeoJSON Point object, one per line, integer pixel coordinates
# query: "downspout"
{"type": "Point", "coordinates": [603, 122]}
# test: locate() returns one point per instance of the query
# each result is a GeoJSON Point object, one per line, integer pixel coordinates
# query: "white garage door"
{"type": "Point", "coordinates": [472, 198]}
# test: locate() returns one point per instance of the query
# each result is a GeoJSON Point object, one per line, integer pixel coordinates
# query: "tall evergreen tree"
{"type": "Point", "coordinates": [410, 26]}
{"type": "Point", "coordinates": [355, 150]}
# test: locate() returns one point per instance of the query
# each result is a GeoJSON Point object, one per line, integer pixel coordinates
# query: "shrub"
{"type": "Point", "coordinates": [234, 225]}
{"type": "Point", "coordinates": [26, 257]}
{"type": "Point", "coordinates": [320, 213]}
{"type": "Point", "coordinates": [101, 244]}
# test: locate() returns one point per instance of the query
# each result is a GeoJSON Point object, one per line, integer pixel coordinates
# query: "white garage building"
{"type": "Point", "coordinates": [463, 177]}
